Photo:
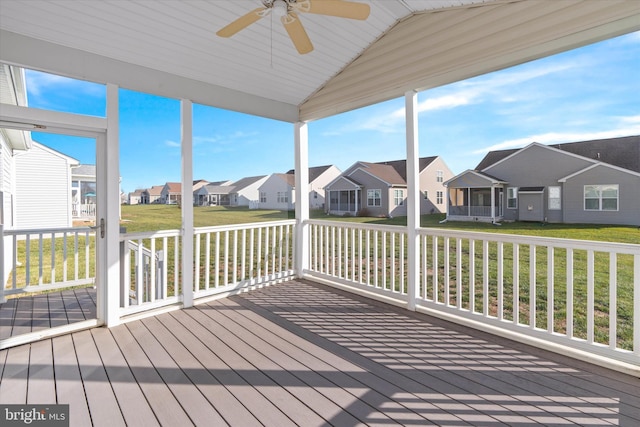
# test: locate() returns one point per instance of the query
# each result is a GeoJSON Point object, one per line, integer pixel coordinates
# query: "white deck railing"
{"type": "Point", "coordinates": [37, 260]}
{"type": "Point", "coordinates": [83, 210]}
{"type": "Point", "coordinates": [228, 258]}
{"type": "Point", "coordinates": [580, 294]}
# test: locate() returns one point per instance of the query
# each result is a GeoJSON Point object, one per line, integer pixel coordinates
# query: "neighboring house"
{"type": "Point", "coordinates": [246, 191]}
{"type": "Point", "coordinates": [214, 194]}
{"type": "Point", "coordinates": [83, 191]}
{"type": "Point", "coordinates": [171, 193]}
{"type": "Point", "coordinates": [596, 182]}
{"type": "Point", "coordinates": [319, 177]}
{"type": "Point", "coordinates": [136, 197]}
{"type": "Point", "coordinates": [380, 189]}
{"type": "Point", "coordinates": [43, 184]}
{"type": "Point", "coordinates": [197, 185]}
{"type": "Point", "coordinates": [152, 195]}
{"type": "Point", "coordinates": [277, 192]}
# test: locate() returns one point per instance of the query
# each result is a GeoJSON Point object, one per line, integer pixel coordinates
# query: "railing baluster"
{"type": "Point", "coordinates": [613, 296]}
{"type": "Point", "coordinates": [152, 271]}
{"type": "Point", "coordinates": [40, 259]}
{"type": "Point", "coordinates": [165, 274]}
{"type": "Point", "coordinates": [251, 266]}
{"type": "Point", "coordinates": [196, 256]}
{"type": "Point", "coordinates": [550, 289]}
{"type": "Point", "coordinates": [636, 304]}
{"type": "Point", "coordinates": [459, 273]}
{"type": "Point", "coordinates": [243, 263]}
{"type": "Point", "coordinates": [235, 256]}
{"type": "Point", "coordinates": [403, 291]}
{"type": "Point", "coordinates": [27, 260]}
{"type": "Point", "coordinates": [139, 273]}
{"type": "Point", "coordinates": [392, 261]}
{"type": "Point", "coordinates": [472, 275]}
{"type": "Point", "coordinates": [53, 257]}
{"type": "Point", "coordinates": [217, 260]}
{"type": "Point", "coordinates": [485, 277]}
{"type": "Point", "coordinates": [75, 257]}
{"type": "Point", "coordinates": [532, 286]}
{"type": "Point", "coordinates": [447, 265]}
{"type": "Point", "coordinates": [353, 253]}
{"type": "Point", "coordinates": [434, 254]}
{"type": "Point", "coordinates": [569, 293]}
{"type": "Point", "coordinates": [425, 268]}
{"type": "Point", "coordinates": [207, 261]}
{"type": "Point", "coordinates": [500, 261]}
{"type": "Point", "coordinates": [516, 283]}
{"type": "Point", "coordinates": [226, 258]}
{"type": "Point", "coordinates": [64, 256]}
{"type": "Point", "coordinates": [87, 246]}
{"type": "Point", "coordinates": [590, 295]}
{"type": "Point", "coordinates": [384, 260]}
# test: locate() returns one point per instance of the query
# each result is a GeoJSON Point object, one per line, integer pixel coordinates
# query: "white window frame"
{"type": "Point", "coordinates": [398, 197]}
{"type": "Point", "coordinates": [439, 197]}
{"type": "Point", "coordinates": [439, 176]}
{"type": "Point", "coordinates": [377, 195]}
{"type": "Point", "coordinates": [599, 188]}
{"type": "Point", "coordinates": [263, 197]}
{"type": "Point", "coordinates": [513, 190]}
{"type": "Point", "coordinates": [554, 201]}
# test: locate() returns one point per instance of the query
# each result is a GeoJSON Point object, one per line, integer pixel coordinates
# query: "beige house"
{"type": "Point", "coordinates": [380, 189]}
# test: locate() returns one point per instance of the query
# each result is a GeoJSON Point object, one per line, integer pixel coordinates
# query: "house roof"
{"type": "Point", "coordinates": [245, 182]}
{"type": "Point", "coordinates": [384, 172]}
{"type": "Point", "coordinates": [491, 178]}
{"type": "Point", "coordinates": [171, 49]}
{"type": "Point", "coordinates": [314, 172]}
{"type": "Point", "coordinates": [173, 187]}
{"type": "Point", "coordinates": [623, 152]}
{"type": "Point", "coordinates": [84, 170]}
{"type": "Point", "coordinates": [137, 192]}
{"type": "Point", "coordinates": [400, 166]}
{"type": "Point", "coordinates": [218, 189]}
{"type": "Point", "coordinates": [286, 177]}
{"type": "Point", "coordinates": [156, 190]}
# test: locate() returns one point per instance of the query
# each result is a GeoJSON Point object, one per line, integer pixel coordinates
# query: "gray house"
{"type": "Point", "coordinates": [380, 189]}
{"type": "Point", "coordinates": [596, 182]}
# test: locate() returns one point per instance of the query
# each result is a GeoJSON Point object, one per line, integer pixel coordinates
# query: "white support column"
{"type": "Point", "coordinates": [302, 197]}
{"type": "Point", "coordinates": [110, 176]}
{"type": "Point", "coordinates": [413, 198]}
{"type": "Point", "coordinates": [186, 204]}
{"type": "Point", "coordinates": [493, 204]}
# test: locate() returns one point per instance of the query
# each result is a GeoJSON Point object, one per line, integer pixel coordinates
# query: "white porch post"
{"type": "Point", "coordinates": [186, 204]}
{"type": "Point", "coordinates": [493, 204]}
{"type": "Point", "coordinates": [110, 174]}
{"type": "Point", "coordinates": [413, 198]}
{"type": "Point", "coordinates": [302, 197]}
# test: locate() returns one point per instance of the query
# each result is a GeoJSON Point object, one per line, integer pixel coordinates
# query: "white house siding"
{"type": "Point", "coordinates": [628, 212]}
{"type": "Point", "coordinates": [250, 194]}
{"type": "Point", "coordinates": [271, 186]}
{"type": "Point", "coordinates": [428, 183]}
{"type": "Point", "coordinates": [317, 195]}
{"type": "Point", "coordinates": [43, 188]}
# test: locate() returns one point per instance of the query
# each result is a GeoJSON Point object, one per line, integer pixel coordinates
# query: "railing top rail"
{"type": "Point", "coordinates": [47, 231]}
{"type": "Point", "coordinates": [149, 234]}
{"type": "Point", "coordinates": [624, 248]}
{"type": "Point", "coordinates": [245, 226]}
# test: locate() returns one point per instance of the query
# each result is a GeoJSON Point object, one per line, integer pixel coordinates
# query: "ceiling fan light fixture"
{"type": "Point", "coordinates": [280, 8]}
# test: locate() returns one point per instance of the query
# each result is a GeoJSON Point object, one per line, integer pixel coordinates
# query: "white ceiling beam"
{"type": "Point", "coordinates": [28, 52]}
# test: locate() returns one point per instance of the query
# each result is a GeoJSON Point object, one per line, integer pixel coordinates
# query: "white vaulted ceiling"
{"type": "Point", "coordinates": [169, 47]}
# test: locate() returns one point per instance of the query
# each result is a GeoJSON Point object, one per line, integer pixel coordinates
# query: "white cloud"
{"type": "Point", "coordinates": [172, 144]}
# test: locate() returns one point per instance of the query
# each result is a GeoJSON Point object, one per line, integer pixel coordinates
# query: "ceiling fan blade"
{"type": "Point", "coordinates": [297, 33]}
{"type": "Point", "coordinates": [242, 22]}
{"type": "Point", "coordinates": [340, 8]}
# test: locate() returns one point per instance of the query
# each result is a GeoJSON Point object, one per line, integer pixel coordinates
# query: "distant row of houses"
{"type": "Point", "coordinates": [595, 182]}
{"type": "Point", "coordinates": [371, 189]}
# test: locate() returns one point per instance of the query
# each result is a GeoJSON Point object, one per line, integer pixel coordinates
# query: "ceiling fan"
{"type": "Point", "coordinates": [288, 11]}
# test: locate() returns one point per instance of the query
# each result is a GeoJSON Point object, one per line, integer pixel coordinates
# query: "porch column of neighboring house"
{"type": "Point", "coordinates": [109, 292]}
{"type": "Point", "coordinates": [355, 196]}
{"type": "Point", "coordinates": [468, 201]}
{"type": "Point", "coordinates": [493, 204]}
{"type": "Point", "coordinates": [301, 140]}
{"type": "Point", "coordinates": [186, 128]}
{"type": "Point", "coordinates": [413, 197]}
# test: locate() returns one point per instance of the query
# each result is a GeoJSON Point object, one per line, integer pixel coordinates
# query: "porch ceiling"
{"type": "Point", "coordinates": [170, 48]}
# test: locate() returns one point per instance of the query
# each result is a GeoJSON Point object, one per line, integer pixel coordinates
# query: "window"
{"type": "Point", "coordinates": [600, 197]}
{"type": "Point", "coordinates": [374, 198]}
{"type": "Point", "coordinates": [426, 194]}
{"type": "Point", "coordinates": [439, 197]}
{"type": "Point", "coordinates": [263, 197]}
{"type": "Point", "coordinates": [554, 198]}
{"type": "Point", "coordinates": [439, 176]}
{"type": "Point", "coordinates": [282, 197]}
{"type": "Point", "coordinates": [398, 197]}
{"type": "Point", "coordinates": [512, 198]}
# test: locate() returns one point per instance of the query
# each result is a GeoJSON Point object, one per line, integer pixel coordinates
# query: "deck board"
{"type": "Point", "coordinates": [299, 353]}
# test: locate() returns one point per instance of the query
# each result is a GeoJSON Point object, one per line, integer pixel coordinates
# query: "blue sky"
{"type": "Point", "coordinates": [587, 93]}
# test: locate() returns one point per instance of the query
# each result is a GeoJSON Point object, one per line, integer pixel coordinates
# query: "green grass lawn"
{"type": "Point", "coordinates": [162, 217]}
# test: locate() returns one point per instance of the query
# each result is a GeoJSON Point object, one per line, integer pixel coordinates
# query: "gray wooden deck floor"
{"type": "Point", "coordinates": [35, 313]}
{"type": "Point", "coordinates": [302, 354]}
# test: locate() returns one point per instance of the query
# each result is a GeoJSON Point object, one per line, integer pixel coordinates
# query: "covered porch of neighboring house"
{"type": "Point", "coordinates": [304, 321]}
{"type": "Point", "coordinates": [344, 202]}
{"type": "Point", "coordinates": [475, 196]}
